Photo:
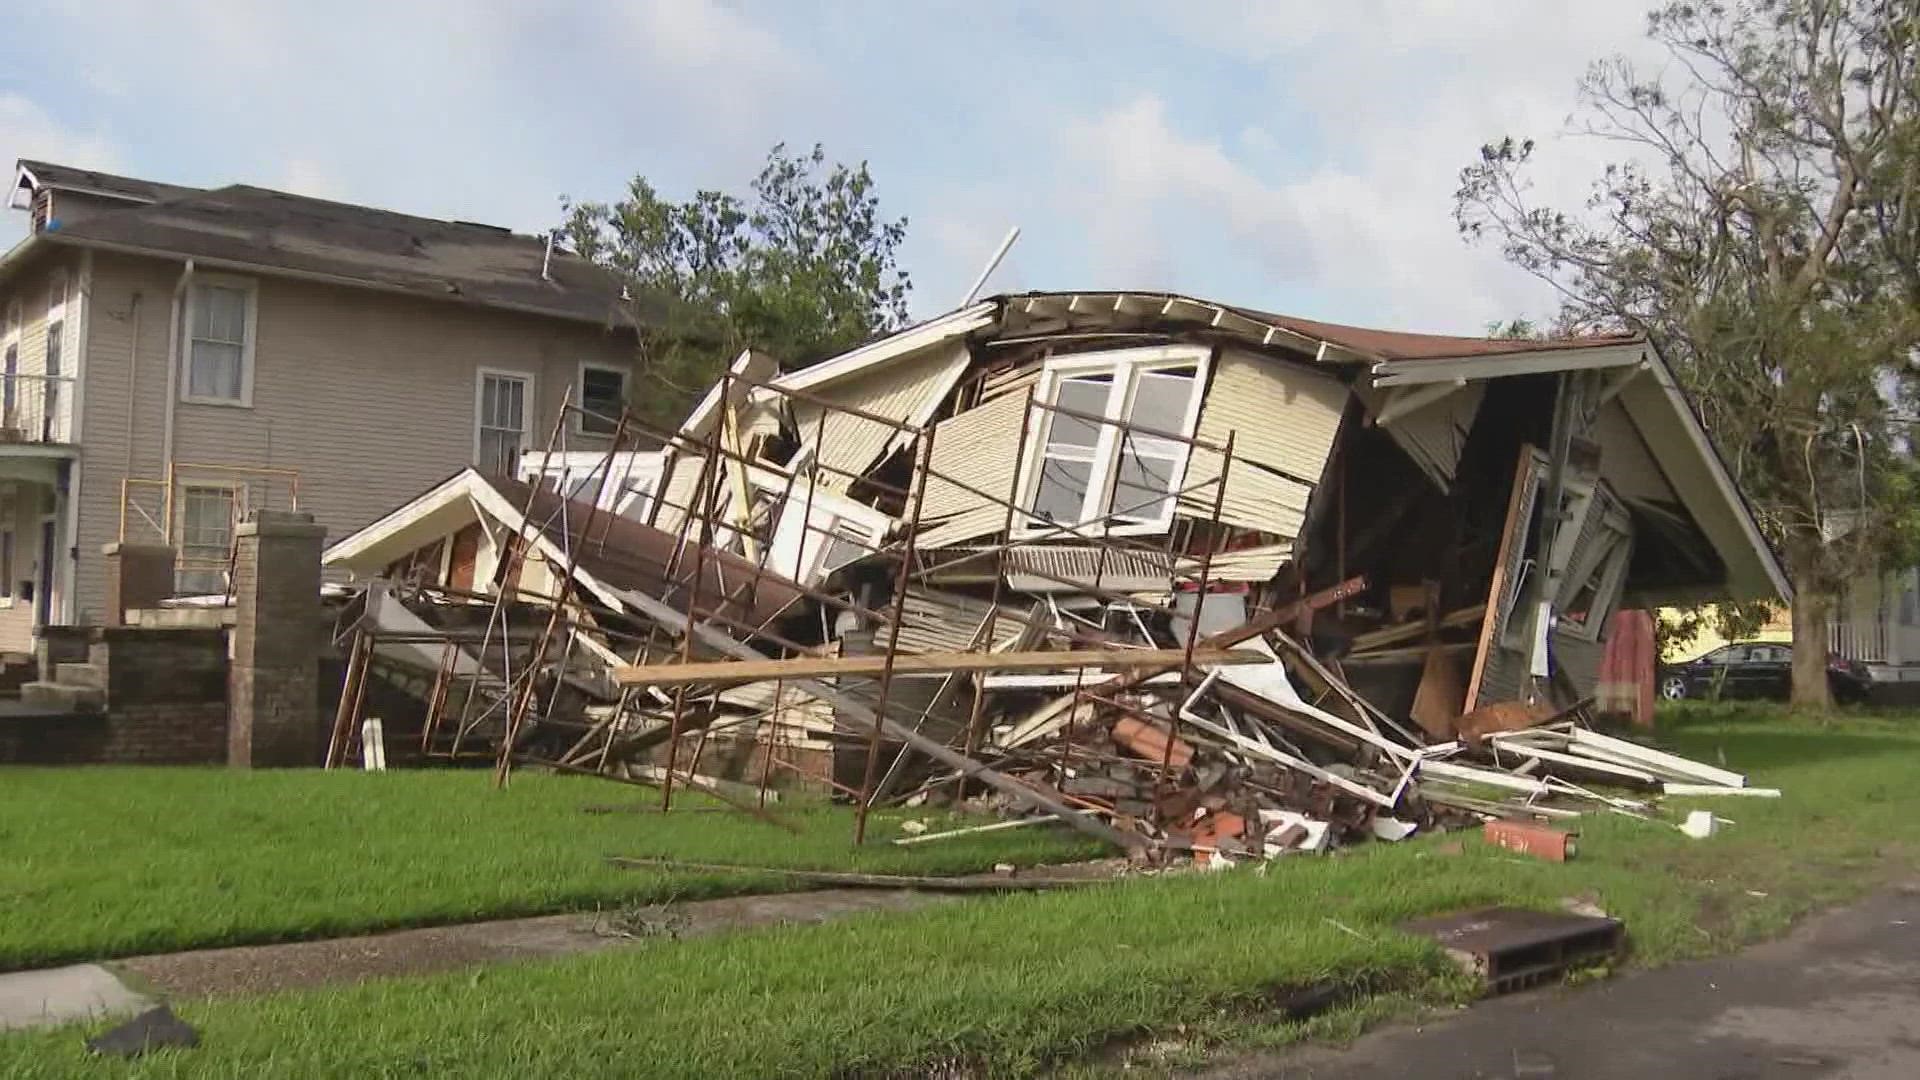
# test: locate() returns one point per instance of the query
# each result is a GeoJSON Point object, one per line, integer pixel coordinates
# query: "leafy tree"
{"type": "Point", "coordinates": [803, 268]}
{"type": "Point", "coordinates": [1762, 228]}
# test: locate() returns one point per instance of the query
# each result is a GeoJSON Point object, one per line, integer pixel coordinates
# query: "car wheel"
{"type": "Point", "coordinates": [1673, 687]}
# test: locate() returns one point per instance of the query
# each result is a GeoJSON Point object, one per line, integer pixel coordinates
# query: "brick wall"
{"type": "Point", "coordinates": [166, 705]}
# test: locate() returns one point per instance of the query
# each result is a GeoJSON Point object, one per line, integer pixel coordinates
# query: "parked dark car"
{"type": "Point", "coordinates": [1756, 669]}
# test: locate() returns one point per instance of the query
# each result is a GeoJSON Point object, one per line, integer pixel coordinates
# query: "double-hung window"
{"type": "Point", "coordinates": [220, 332]}
{"type": "Point", "coordinates": [1111, 452]}
{"type": "Point", "coordinates": [500, 421]}
{"type": "Point", "coordinates": [208, 513]}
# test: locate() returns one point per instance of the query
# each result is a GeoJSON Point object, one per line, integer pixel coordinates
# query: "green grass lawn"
{"type": "Point", "coordinates": [105, 862]}
{"type": "Point", "coordinates": [1015, 984]}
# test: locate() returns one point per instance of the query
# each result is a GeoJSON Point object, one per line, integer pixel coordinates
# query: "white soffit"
{"type": "Point", "coordinates": [1415, 372]}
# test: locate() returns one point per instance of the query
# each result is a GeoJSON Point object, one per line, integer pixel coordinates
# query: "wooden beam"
{"type": "Point", "coordinates": [932, 663]}
{"type": "Point", "coordinates": [850, 709]}
{"type": "Point", "coordinates": [1412, 399]}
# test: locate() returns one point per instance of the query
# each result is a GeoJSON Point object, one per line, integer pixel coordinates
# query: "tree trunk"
{"type": "Point", "coordinates": [1811, 604]}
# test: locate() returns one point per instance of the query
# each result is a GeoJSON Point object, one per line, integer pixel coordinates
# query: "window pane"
{"type": "Point", "coordinates": [1141, 477]}
{"type": "Point", "coordinates": [1081, 395]}
{"type": "Point", "coordinates": [1062, 494]}
{"type": "Point", "coordinates": [220, 314]}
{"type": "Point", "coordinates": [1160, 400]}
{"type": "Point", "coordinates": [603, 392]}
{"type": "Point", "coordinates": [207, 519]}
{"type": "Point", "coordinates": [215, 370]}
{"type": "Point", "coordinates": [489, 401]}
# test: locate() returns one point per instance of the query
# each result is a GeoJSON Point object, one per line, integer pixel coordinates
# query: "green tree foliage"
{"type": "Point", "coordinates": [1762, 228]}
{"type": "Point", "coordinates": [802, 268]}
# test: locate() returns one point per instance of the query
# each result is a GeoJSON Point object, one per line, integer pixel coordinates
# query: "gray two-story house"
{"type": "Point", "coordinates": [175, 356]}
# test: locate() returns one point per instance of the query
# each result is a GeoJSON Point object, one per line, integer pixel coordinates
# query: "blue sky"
{"type": "Point", "coordinates": [1297, 156]}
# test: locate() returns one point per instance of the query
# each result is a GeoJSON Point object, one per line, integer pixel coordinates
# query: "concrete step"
{"type": "Point", "coordinates": [53, 695]}
{"type": "Point", "coordinates": [80, 675]}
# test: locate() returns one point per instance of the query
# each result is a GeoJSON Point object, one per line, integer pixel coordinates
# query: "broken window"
{"type": "Point", "coordinates": [1596, 566]}
{"type": "Point", "coordinates": [502, 421]}
{"type": "Point", "coordinates": [1113, 452]}
{"type": "Point", "coordinates": [842, 531]}
{"type": "Point", "coordinates": [219, 336]}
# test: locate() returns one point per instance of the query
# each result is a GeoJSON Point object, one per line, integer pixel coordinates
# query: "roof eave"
{"type": "Point", "coordinates": [267, 269]}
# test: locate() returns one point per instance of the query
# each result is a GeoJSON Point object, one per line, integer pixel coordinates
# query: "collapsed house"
{"type": "Point", "coordinates": [1180, 573]}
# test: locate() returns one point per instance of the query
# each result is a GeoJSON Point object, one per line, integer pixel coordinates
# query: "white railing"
{"type": "Point", "coordinates": [1864, 641]}
{"type": "Point", "coordinates": [36, 408]}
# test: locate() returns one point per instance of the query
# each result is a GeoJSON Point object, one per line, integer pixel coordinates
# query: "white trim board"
{"type": "Point", "coordinates": [1533, 361]}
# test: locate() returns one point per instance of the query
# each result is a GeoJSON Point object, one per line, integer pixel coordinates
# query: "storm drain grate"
{"type": "Point", "coordinates": [1511, 949]}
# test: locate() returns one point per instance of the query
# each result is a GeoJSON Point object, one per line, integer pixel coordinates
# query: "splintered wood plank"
{"type": "Point", "coordinates": [932, 663]}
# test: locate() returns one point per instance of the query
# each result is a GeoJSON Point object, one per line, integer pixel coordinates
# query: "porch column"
{"type": "Point", "coordinates": [138, 576]}
{"type": "Point", "coordinates": [273, 681]}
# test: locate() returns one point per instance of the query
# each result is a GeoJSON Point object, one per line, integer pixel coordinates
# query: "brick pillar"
{"type": "Point", "coordinates": [138, 576]}
{"type": "Point", "coordinates": [273, 679]}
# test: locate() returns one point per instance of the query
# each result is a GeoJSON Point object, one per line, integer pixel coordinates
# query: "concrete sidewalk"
{"type": "Point", "coordinates": [52, 996]}
{"type": "Point", "coordinates": [1839, 997]}
{"type": "Point", "coordinates": [65, 994]}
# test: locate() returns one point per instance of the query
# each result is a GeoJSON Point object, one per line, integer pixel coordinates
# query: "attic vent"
{"type": "Point", "coordinates": [502, 230]}
{"type": "Point", "coordinates": [42, 208]}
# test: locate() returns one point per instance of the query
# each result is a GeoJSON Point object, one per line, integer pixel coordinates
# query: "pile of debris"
{"type": "Point", "coordinates": [1189, 578]}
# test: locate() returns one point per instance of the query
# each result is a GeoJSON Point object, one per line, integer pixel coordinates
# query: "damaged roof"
{"type": "Point", "coordinates": [619, 554]}
{"type": "Point", "coordinates": [272, 232]}
{"type": "Point", "coordinates": [1401, 345]}
{"type": "Point", "coordinates": [33, 176]}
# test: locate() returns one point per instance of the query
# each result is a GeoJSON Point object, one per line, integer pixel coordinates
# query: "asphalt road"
{"type": "Point", "coordinates": [1840, 997]}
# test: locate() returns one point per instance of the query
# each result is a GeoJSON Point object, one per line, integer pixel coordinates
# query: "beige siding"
{"type": "Point", "coordinates": [1281, 416]}
{"type": "Point", "coordinates": [902, 391]}
{"type": "Point", "coordinates": [979, 448]}
{"type": "Point", "coordinates": [31, 287]}
{"type": "Point", "coordinates": [371, 398]}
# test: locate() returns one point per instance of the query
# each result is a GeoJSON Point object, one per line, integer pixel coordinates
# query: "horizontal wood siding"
{"type": "Point", "coordinates": [370, 397]}
{"type": "Point", "coordinates": [1282, 416]}
{"type": "Point", "coordinates": [899, 391]}
{"type": "Point", "coordinates": [980, 448]}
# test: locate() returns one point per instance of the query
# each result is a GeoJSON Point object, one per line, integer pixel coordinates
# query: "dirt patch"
{"type": "Point", "coordinates": [259, 969]}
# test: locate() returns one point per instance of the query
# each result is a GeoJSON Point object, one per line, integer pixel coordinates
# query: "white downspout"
{"type": "Point", "coordinates": [174, 330]}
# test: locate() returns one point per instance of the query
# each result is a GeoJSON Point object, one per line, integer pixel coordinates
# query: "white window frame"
{"type": "Point", "coordinates": [1125, 365]}
{"type": "Point", "coordinates": [251, 288]}
{"type": "Point", "coordinates": [59, 291]}
{"type": "Point", "coordinates": [480, 377]}
{"type": "Point", "coordinates": [11, 316]}
{"type": "Point", "coordinates": [800, 553]}
{"type": "Point", "coordinates": [580, 392]}
{"type": "Point", "coordinates": [236, 501]}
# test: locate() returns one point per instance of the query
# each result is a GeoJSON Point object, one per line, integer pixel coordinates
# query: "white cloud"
{"type": "Point", "coordinates": [1128, 167]}
{"type": "Point", "coordinates": [310, 177]}
{"type": "Point", "coordinates": [1360, 208]}
{"type": "Point", "coordinates": [29, 131]}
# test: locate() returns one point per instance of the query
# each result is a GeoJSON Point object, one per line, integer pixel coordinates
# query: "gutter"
{"type": "Point", "coordinates": [240, 266]}
{"type": "Point", "coordinates": [20, 251]}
